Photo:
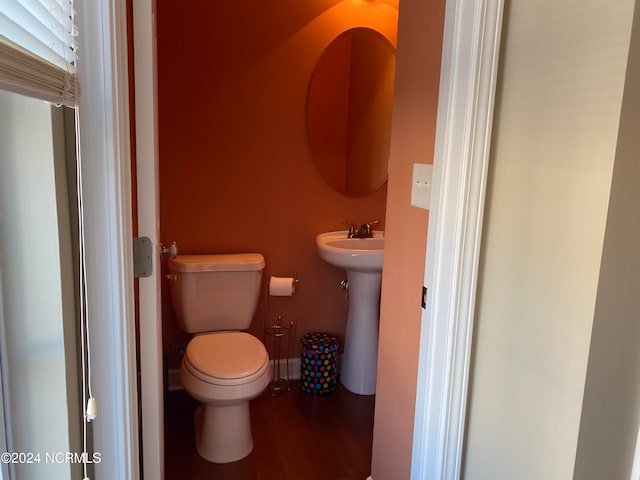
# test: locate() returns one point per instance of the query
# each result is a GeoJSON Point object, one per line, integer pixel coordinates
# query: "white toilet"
{"type": "Point", "coordinates": [215, 297]}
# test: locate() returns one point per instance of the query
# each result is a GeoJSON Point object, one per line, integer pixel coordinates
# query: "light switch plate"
{"type": "Point", "coordinates": [421, 185]}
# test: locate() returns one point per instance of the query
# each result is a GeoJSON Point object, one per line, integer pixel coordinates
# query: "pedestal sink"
{"type": "Point", "coordinates": [362, 259]}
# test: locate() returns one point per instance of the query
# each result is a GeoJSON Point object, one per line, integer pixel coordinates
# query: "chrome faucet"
{"type": "Point", "coordinates": [363, 231]}
{"type": "Point", "coordinates": [351, 231]}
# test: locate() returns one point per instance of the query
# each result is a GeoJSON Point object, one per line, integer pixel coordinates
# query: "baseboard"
{"type": "Point", "coordinates": [369, 477]}
{"type": "Point", "coordinates": [294, 368]}
{"type": "Point", "coordinates": [173, 382]}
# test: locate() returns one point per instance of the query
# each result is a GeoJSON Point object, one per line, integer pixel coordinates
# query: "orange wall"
{"type": "Point", "coordinates": [236, 173]}
{"type": "Point", "coordinates": [412, 141]}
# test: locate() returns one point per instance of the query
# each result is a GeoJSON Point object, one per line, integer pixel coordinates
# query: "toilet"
{"type": "Point", "coordinates": [215, 298]}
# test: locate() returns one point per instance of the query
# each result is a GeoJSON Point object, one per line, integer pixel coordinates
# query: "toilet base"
{"type": "Point", "coordinates": [223, 432]}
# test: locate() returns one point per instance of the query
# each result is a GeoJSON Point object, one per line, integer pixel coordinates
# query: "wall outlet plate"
{"type": "Point", "coordinates": [421, 185]}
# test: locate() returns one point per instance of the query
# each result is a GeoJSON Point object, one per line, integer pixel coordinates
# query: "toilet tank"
{"type": "Point", "coordinates": [215, 292]}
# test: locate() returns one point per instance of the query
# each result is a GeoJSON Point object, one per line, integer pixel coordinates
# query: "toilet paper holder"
{"type": "Point", "coordinates": [281, 338]}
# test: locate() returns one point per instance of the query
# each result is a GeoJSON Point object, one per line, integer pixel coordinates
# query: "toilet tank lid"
{"type": "Point", "coordinates": [232, 262]}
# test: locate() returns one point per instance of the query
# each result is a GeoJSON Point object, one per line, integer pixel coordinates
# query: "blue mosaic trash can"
{"type": "Point", "coordinates": [318, 364]}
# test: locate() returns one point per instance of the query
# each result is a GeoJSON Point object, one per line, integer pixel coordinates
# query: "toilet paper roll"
{"type": "Point", "coordinates": [281, 286]}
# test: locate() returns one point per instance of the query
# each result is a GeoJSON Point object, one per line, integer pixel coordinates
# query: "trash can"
{"type": "Point", "coordinates": [318, 363]}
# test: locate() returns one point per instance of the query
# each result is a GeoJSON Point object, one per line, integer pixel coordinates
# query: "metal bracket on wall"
{"type": "Point", "coordinates": [142, 257]}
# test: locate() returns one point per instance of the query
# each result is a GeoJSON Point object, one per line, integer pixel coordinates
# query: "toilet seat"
{"type": "Point", "coordinates": [226, 358]}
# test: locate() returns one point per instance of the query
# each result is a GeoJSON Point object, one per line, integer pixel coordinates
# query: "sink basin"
{"type": "Point", "coordinates": [352, 254]}
{"type": "Point", "coordinates": [362, 259]}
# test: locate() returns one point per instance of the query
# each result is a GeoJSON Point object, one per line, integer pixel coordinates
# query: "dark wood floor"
{"type": "Point", "coordinates": [296, 437]}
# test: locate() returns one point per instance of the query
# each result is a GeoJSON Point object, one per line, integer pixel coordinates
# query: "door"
{"type": "Point", "coordinates": [150, 321]}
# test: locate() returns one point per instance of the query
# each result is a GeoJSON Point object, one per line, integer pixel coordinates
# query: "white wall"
{"type": "Point", "coordinates": [611, 408]}
{"type": "Point", "coordinates": [557, 114]}
{"type": "Point", "coordinates": [34, 355]}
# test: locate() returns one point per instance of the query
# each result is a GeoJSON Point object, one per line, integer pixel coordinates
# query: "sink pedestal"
{"type": "Point", "coordinates": [362, 258]}
{"type": "Point", "coordinates": [360, 357]}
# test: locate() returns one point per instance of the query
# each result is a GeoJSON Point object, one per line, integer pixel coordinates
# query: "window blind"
{"type": "Point", "coordinates": [38, 49]}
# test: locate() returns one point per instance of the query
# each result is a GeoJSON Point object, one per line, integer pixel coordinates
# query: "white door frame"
{"type": "Point", "coordinates": [151, 382]}
{"type": "Point", "coordinates": [105, 147]}
{"type": "Point", "coordinates": [105, 143]}
{"type": "Point", "coordinates": [463, 134]}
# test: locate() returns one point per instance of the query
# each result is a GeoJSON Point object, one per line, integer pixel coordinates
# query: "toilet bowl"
{"type": "Point", "coordinates": [215, 298]}
{"type": "Point", "coordinates": [224, 371]}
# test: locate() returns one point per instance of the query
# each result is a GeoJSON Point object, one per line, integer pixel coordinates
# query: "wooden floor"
{"type": "Point", "coordinates": [296, 437]}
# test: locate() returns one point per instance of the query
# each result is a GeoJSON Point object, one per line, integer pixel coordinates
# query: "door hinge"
{"type": "Point", "coordinates": [142, 257]}
{"type": "Point", "coordinates": [424, 297]}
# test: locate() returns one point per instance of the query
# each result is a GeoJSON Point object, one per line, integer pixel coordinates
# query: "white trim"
{"type": "Point", "coordinates": [173, 382]}
{"type": "Point", "coordinates": [104, 141]}
{"type": "Point", "coordinates": [151, 387]}
{"type": "Point", "coordinates": [294, 367]}
{"type": "Point", "coordinates": [463, 133]}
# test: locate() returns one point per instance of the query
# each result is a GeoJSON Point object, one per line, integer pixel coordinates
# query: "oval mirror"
{"type": "Point", "coordinates": [349, 111]}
